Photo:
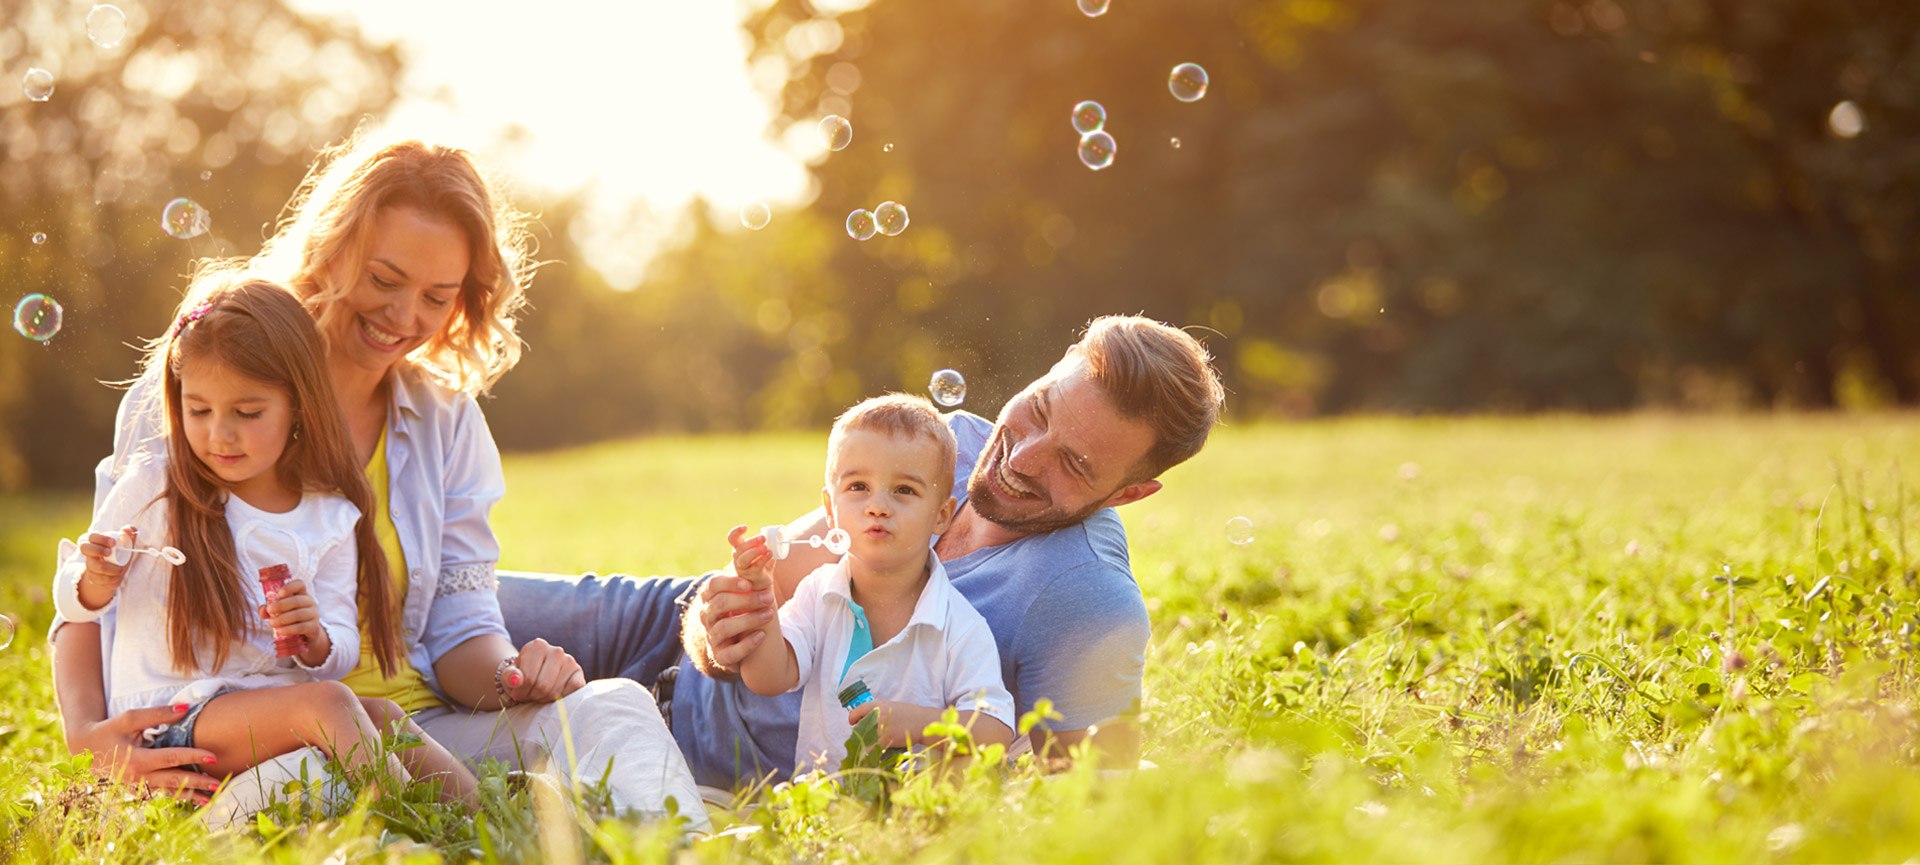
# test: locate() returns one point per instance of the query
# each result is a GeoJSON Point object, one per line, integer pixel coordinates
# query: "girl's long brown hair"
{"type": "Point", "coordinates": [259, 330]}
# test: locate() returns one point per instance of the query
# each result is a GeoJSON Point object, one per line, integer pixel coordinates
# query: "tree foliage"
{"type": "Point", "coordinates": [221, 103]}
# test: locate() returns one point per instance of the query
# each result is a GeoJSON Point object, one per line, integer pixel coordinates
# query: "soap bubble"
{"type": "Point", "coordinates": [106, 25]}
{"type": "Point", "coordinates": [838, 541]}
{"type": "Point", "coordinates": [6, 630]}
{"type": "Point", "coordinates": [892, 216]}
{"type": "Point", "coordinates": [39, 237]}
{"type": "Point", "coordinates": [836, 132]}
{"type": "Point", "coordinates": [1846, 121]}
{"type": "Point", "coordinates": [861, 224]}
{"type": "Point", "coordinates": [1089, 117]}
{"type": "Point", "coordinates": [1176, 144]}
{"type": "Point", "coordinates": [756, 215]}
{"type": "Point", "coordinates": [1094, 8]}
{"type": "Point", "coordinates": [1240, 530]}
{"type": "Point", "coordinates": [183, 218]}
{"type": "Point", "coordinates": [206, 175]}
{"type": "Point", "coordinates": [887, 148]}
{"type": "Point", "coordinates": [38, 84]}
{"type": "Point", "coordinates": [948, 388]}
{"type": "Point", "coordinates": [1188, 82]}
{"type": "Point", "coordinates": [37, 317]}
{"type": "Point", "coordinates": [1096, 150]}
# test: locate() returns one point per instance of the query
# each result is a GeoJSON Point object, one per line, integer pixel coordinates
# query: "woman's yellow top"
{"type": "Point", "coordinates": [406, 687]}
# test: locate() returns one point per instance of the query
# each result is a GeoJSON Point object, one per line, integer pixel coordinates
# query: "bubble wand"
{"type": "Point", "coordinates": [122, 553]}
{"type": "Point", "coordinates": [836, 542]}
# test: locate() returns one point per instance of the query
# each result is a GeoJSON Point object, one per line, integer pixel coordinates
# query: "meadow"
{"type": "Point", "coordinates": [1638, 638]}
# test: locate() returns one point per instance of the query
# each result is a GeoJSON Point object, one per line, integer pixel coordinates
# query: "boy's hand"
{"type": "Point", "coordinates": [296, 614]}
{"type": "Point", "coordinates": [102, 577]}
{"type": "Point", "coordinates": [752, 560]}
{"type": "Point", "coordinates": [900, 723]}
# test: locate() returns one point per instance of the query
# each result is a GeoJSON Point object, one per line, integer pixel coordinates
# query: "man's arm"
{"type": "Point", "coordinates": [1083, 646]}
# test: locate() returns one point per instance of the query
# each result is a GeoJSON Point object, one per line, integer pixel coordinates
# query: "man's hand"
{"type": "Point", "coordinates": [1116, 745]}
{"type": "Point", "coordinates": [117, 755]}
{"type": "Point", "coordinates": [542, 673]}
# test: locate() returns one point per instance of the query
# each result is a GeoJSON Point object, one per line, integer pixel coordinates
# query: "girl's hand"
{"type": "Point", "coordinates": [545, 673]}
{"type": "Point", "coordinates": [296, 614]}
{"type": "Point", "coordinates": [900, 723]}
{"type": "Point", "coordinates": [102, 577]}
{"type": "Point", "coordinates": [751, 558]}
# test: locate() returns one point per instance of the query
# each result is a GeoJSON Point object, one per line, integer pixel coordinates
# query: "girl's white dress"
{"type": "Point", "coordinates": [315, 541]}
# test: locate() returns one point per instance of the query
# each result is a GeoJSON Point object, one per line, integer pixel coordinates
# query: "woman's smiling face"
{"type": "Point", "coordinates": [405, 291]}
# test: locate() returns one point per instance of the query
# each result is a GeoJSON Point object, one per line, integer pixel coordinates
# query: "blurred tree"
{"type": "Point", "coordinates": [221, 103]}
{"type": "Point", "coordinates": [1380, 204]}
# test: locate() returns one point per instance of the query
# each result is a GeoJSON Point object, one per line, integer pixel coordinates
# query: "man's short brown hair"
{"type": "Point", "coordinates": [902, 416]}
{"type": "Point", "coordinates": [1159, 374]}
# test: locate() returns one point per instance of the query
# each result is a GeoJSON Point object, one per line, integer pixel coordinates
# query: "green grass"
{"type": "Point", "coordinates": [1645, 638]}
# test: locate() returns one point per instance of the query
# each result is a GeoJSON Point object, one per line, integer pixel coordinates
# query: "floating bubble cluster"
{"type": "Point", "coordinates": [37, 317]}
{"type": "Point", "coordinates": [948, 388]}
{"type": "Point", "coordinates": [39, 237]}
{"type": "Point", "coordinates": [756, 215]}
{"type": "Point", "coordinates": [1094, 8]}
{"type": "Point", "coordinates": [37, 84]}
{"type": "Point", "coordinates": [6, 630]}
{"type": "Point", "coordinates": [1188, 82]}
{"type": "Point", "coordinates": [106, 25]}
{"type": "Point", "coordinates": [1089, 117]}
{"type": "Point", "coordinates": [861, 224]}
{"type": "Point", "coordinates": [836, 132]}
{"type": "Point", "coordinates": [892, 216]}
{"type": "Point", "coordinates": [1240, 530]}
{"type": "Point", "coordinates": [1096, 150]}
{"type": "Point", "coordinates": [184, 218]}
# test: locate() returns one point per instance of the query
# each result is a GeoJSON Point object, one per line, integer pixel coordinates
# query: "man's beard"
{"type": "Point", "coordinates": [986, 502]}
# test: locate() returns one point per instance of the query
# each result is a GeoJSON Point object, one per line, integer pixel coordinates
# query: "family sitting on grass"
{"type": "Point", "coordinates": [290, 546]}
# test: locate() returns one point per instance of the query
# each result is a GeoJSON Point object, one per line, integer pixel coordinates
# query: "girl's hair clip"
{"type": "Point", "coordinates": [191, 316]}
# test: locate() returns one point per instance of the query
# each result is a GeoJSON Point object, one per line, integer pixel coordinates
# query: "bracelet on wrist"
{"type": "Point", "coordinates": [500, 686]}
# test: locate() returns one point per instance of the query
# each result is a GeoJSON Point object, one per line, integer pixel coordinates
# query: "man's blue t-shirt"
{"type": "Point", "coordinates": [1067, 618]}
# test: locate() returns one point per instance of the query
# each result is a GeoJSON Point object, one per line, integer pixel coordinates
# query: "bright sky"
{"type": "Point", "coordinates": [645, 103]}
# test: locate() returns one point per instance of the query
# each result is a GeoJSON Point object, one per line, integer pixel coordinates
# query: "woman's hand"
{"type": "Point", "coordinates": [296, 614]}
{"type": "Point", "coordinates": [117, 755]}
{"type": "Point", "coordinates": [542, 673]}
{"type": "Point", "coordinates": [102, 577]}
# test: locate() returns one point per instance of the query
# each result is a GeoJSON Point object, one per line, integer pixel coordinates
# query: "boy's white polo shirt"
{"type": "Point", "coordinates": [945, 656]}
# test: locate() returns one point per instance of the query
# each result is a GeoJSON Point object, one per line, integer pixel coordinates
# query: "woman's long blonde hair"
{"type": "Point", "coordinates": [259, 330]}
{"type": "Point", "coordinates": [320, 248]}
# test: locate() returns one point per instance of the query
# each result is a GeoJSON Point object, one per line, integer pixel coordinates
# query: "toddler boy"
{"type": "Point", "coordinates": [884, 614]}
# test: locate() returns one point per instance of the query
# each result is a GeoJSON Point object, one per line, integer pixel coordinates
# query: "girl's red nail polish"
{"type": "Point", "coordinates": [209, 760]}
{"type": "Point", "coordinates": [179, 707]}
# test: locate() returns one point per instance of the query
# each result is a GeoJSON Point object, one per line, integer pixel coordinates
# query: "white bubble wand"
{"type": "Point", "coordinates": [836, 542]}
{"type": "Point", "coordinates": [123, 552]}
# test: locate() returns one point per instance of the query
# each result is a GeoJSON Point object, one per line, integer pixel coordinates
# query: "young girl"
{"type": "Point", "coordinates": [258, 473]}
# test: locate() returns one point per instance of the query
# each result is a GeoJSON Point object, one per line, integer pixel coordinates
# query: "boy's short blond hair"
{"type": "Point", "coordinates": [902, 416]}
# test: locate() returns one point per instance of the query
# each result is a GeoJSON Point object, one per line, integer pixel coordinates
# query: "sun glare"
{"type": "Point", "coordinates": [641, 106]}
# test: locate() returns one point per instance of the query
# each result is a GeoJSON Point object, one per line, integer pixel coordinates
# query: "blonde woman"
{"type": "Point", "coordinates": [413, 266]}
